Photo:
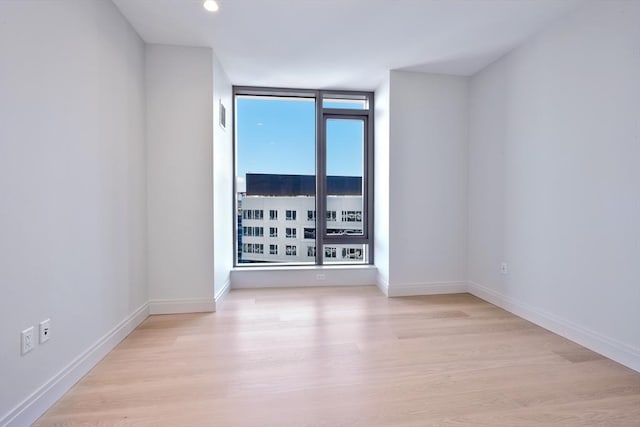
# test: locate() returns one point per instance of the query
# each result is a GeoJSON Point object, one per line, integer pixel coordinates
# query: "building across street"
{"type": "Point", "coordinates": [277, 219]}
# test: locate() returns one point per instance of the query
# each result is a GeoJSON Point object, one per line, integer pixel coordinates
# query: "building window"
{"type": "Point", "coordinates": [253, 248]}
{"type": "Point", "coordinates": [253, 231]}
{"type": "Point", "coordinates": [310, 233]}
{"type": "Point", "coordinates": [311, 251]}
{"type": "Point", "coordinates": [252, 214]}
{"type": "Point", "coordinates": [352, 216]}
{"type": "Point", "coordinates": [352, 253]}
{"type": "Point", "coordinates": [322, 162]}
{"type": "Point", "coordinates": [329, 252]}
{"type": "Point", "coordinates": [343, 232]}
{"type": "Point", "coordinates": [273, 249]}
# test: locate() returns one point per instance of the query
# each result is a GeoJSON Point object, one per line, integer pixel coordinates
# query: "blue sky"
{"type": "Point", "coordinates": [277, 135]}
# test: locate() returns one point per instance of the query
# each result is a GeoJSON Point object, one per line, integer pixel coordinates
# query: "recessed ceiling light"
{"type": "Point", "coordinates": [211, 5]}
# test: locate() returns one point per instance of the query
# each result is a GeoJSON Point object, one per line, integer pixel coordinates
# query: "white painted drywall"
{"type": "Point", "coordinates": [179, 89]}
{"type": "Point", "coordinates": [223, 218]}
{"type": "Point", "coordinates": [381, 184]}
{"type": "Point", "coordinates": [303, 276]}
{"type": "Point", "coordinates": [72, 183]}
{"type": "Point", "coordinates": [427, 179]}
{"type": "Point", "coordinates": [554, 177]}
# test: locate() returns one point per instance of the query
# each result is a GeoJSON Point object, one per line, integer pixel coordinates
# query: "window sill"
{"type": "Point", "coordinates": [298, 267]}
{"type": "Point", "coordinates": [303, 276]}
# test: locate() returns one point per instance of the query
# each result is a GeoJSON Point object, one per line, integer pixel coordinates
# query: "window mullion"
{"type": "Point", "coordinates": [320, 180]}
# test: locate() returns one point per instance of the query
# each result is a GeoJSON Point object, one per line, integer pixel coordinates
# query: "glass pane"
{"type": "Point", "coordinates": [348, 103]}
{"type": "Point", "coordinates": [345, 254]}
{"type": "Point", "coordinates": [345, 171]}
{"type": "Point", "coordinates": [275, 179]}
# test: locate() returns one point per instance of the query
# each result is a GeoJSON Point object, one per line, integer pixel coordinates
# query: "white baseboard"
{"type": "Point", "coordinates": [383, 284]}
{"type": "Point", "coordinates": [435, 288]}
{"type": "Point", "coordinates": [614, 350]}
{"type": "Point", "coordinates": [180, 306]}
{"type": "Point", "coordinates": [30, 409]}
{"type": "Point", "coordinates": [222, 293]}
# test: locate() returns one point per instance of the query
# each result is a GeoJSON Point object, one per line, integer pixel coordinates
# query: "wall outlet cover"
{"type": "Point", "coordinates": [45, 331]}
{"type": "Point", "coordinates": [504, 268]}
{"type": "Point", "coordinates": [27, 340]}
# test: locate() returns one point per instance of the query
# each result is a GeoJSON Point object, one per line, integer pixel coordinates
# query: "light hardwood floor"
{"type": "Point", "coordinates": [349, 357]}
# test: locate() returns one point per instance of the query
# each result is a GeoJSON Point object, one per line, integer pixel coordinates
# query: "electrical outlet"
{"type": "Point", "coordinates": [320, 276]}
{"type": "Point", "coordinates": [504, 268]}
{"type": "Point", "coordinates": [28, 340]}
{"type": "Point", "coordinates": [45, 331]}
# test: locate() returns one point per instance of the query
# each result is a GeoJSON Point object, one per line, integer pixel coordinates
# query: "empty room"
{"type": "Point", "coordinates": [319, 213]}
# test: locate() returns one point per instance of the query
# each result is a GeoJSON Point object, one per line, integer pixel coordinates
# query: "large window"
{"type": "Point", "coordinates": [301, 152]}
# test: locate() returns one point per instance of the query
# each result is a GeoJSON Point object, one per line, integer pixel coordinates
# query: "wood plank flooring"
{"type": "Point", "coordinates": [349, 357]}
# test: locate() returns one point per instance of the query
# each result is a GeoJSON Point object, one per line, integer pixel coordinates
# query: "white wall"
{"type": "Point", "coordinates": [381, 184]}
{"type": "Point", "coordinates": [223, 218]}
{"type": "Point", "coordinates": [179, 123]}
{"type": "Point", "coordinates": [303, 276]}
{"type": "Point", "coordinates": [427, 183]}
{"type": "Point", "coordinates": [554, 149]}
{"type": "Point", "coordinates": [72, 186]}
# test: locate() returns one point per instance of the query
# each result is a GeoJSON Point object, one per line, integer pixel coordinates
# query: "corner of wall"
{"type": "Point", "coordinates": [36, 404]}
{"type": "Point", "coordinates": [383, 284]}
{"type": "Point", "coordinates": [222, 291]}
{"type": "Point", "coordinates": [608, 347]}
{"type": "Point", "coordinates": [223, 215]}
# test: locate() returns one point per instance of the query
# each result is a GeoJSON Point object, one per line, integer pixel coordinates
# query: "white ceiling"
{"type": "Point", "coordinates": [344, 44]}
